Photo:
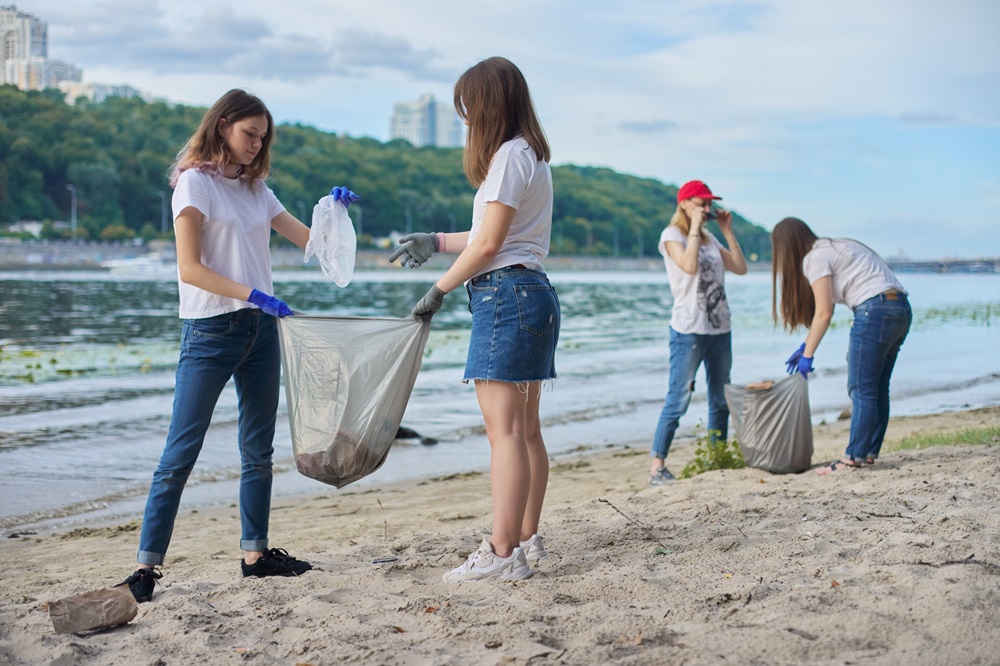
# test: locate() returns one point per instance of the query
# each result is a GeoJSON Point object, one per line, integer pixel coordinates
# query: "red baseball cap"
{"type": "Point", "coordinates": [695, 188]}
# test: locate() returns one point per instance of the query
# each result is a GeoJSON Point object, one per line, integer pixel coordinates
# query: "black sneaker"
{"type": "Point", "coordinates": [275, 562]}
{"type": "Point", "coordinates": [141, 584]}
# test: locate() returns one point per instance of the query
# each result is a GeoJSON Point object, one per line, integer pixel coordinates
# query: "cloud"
{"type": "Point", "coordinates": [219, 41]}
{"type": "Point", "coordinates": [654, 126]}
{"type": "Point", "coordinates": [928, 118]}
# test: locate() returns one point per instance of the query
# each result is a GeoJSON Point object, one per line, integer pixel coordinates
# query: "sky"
{"type": "Point", "coordinates": [872, 119]}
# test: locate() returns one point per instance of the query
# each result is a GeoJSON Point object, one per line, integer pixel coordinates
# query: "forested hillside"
{"type": "Point", "coordinates": [117, 153]}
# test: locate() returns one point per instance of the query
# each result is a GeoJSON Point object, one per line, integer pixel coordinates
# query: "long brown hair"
{"type": "Point", "coordinates": [791, 240]}
{"type": "Point", "coordinates": [207, 150]}
{"type": "Point", "coordinates": [492, 98]}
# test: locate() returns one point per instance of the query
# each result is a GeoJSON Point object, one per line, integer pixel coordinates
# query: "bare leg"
{"type": "Point", "coordinates": [505, 408]}
{"type": "Point", "coordinates": [539, 459]}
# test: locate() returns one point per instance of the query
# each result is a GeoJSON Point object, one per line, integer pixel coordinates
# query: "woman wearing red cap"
{"type": "Point", "coordinates": [699, 322]}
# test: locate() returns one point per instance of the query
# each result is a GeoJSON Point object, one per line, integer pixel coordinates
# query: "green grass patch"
{"type": "Point", "coordinates": [987, 435]}
{"type": "Point", "coordinates": [712, 453]}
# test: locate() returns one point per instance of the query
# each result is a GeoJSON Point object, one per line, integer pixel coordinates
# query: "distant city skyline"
{"type": "Point", "coordinates": [427, 122]}
{"type": "Point", "coordinates": [872, 120]}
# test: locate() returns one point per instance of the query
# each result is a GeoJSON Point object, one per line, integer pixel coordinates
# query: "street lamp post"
{"type": "Point", "coordinates": [163, 212]}
{"type": "Point", "coordinates": [361, 218]}
{"type": "Point", "coordinates": [72, 209]}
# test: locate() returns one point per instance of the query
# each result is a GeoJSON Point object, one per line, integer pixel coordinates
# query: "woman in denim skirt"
{"type": "Point", "coordinates": [815, 273]}
{"type": "Point", "coordinates": [696, 264]}
{"type": "Point", "coordinates": [515, 311]}
{"type": "Point", "coordinates": [223, 217]}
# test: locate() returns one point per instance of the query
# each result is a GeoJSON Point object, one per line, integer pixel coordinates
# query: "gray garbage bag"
{"type": "Point", "coordinates": [347, 382]}
{"type": "Point", "coordinates": [773, 424]}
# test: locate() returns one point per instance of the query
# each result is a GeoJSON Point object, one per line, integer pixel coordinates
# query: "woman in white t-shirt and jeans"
{"type": "Point", "coordinates": [515, 311]}
{"type": "Point", "coordinates": [815, 274]}
{"type": "Point", "coordinates": [696, 263]}
{"type": "Point", "coordinates": [223, 217]}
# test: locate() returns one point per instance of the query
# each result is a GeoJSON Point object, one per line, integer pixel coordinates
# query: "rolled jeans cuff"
{"type": "Point", "coordinates": [149, 559]}
{"type": "Point", "coordinates": [255, 546]}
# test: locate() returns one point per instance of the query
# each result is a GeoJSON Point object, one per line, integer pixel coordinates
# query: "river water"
{"type": "Point", "coordinates": [87, 363]}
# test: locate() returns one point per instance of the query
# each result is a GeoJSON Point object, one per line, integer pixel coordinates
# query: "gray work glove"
{"type": "Point", "coordinates": [415, 249]}
{"type": "Point", "coordinates": [429, 304]}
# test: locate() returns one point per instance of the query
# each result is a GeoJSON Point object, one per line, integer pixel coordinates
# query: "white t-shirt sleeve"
{"type": "Point", "coordinates": [816, 264]}
{"type": "Point", "coordinates": [508, 177]}
{"type": "Point", "coordinates": [192, 192]}
{"type": "Point", "coordinates": [671, 234]}
{"type": "Point", "coordinates": [275, 208]}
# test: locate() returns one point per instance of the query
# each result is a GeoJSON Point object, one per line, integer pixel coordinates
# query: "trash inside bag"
{"type": "Point", "coordinates": [347, 382]}
{"type": "Point", "coordinates": [773, 424]}
{"type": "Point", "coordinates": [332, 240]}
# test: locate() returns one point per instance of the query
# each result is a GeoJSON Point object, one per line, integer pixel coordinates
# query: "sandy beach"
{"type": "Point", "coordinates": [895, 563]}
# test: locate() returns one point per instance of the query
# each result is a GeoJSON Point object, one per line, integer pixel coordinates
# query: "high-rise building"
{"type": "Point", "coordinates": [427, 122]}
{"type": "Point", "coordinates": [24, 53]}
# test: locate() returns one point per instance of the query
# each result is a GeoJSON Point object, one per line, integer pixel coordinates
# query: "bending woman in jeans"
{"type": "Point", "coordinates": [815, 274]}
{"type": "Point", "coordinates": [699, 322]}
{"type": "Point", "coordinates": [515, 311]}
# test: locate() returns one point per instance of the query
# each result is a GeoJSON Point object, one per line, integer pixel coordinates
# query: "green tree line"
{"type": "Point", "coordinates": [117, 153]}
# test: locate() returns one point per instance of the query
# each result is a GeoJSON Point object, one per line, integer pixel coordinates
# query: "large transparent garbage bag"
{"type": "Point", "coordinates": [773, 424]}
{"type": "Point", "coordinates": [332, 240]}
{"type": "Point", "coordinates": [347, 382]}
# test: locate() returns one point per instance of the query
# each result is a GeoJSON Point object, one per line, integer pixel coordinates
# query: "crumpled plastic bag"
{"type": "Point", "coordinates": [773, 424]}
{"type": "Point", "coordinates": [332, 240]}
{"type": "Point", "coordinates": [347, 382]}
{"type": "Point", "coordinates": [93, 610]}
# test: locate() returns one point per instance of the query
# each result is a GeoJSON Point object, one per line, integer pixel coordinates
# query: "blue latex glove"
{"type": "Point", "coordinates": [269, 304]}
{"type": "Point", "coordinates": [415, 249]}
{"type": "Point", "coordinates": [429, 304]}
{"type": "Point", "coordinates": [344, 196]}
{"type": "Point", "coordinates": [792, 364]}
{"type": "Point", "coordinates": [805, 366]}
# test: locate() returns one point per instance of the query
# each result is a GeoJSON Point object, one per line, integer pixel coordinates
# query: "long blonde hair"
{"type": "Point", "coordinates": [791, 240]}
{"type": "Point", "coordinates": [492, 98]}
{"type": "Point", "coordinates": [206, 149]}
{"type": "Point", "coordinates": [681, 220]}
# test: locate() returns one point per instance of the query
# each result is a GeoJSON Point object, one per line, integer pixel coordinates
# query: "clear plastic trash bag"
{"type": "Point", "coordinates": [347, 382]}
{"type": "Point", "coordinates": [332, 240]}
{"type": "Point", "coordinates": [773, 424]}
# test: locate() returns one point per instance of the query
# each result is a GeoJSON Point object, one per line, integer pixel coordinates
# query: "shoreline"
{"type": "Point", "coordinates": [862, 566]}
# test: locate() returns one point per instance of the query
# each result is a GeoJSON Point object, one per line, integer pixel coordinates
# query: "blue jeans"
{"type": "Point", "coordinates": [687, 352]}
{"type": "Point", "coordinates": [242, 345]}
{"type": "Point", "coordinates": [515, 326]}
{"type": "Point", "coordinates": [879, 329]}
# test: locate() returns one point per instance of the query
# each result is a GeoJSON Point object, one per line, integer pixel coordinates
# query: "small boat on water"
{"type": "Point", "coordinates": [152, 264]}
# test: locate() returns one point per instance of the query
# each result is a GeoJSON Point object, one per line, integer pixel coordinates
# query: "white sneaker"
{"type": "Point", "coordinates": [534, 548]}
{"type": "Point", "coordinates": [484, 564]}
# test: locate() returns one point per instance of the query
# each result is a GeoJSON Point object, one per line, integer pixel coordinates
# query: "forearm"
{"type": "Point", "coordinates": [817, 329]}
{"type": "Point", "coordinates": [469, 264]}
{"type": "Point", "coordinates": [198, 275]}
{"type": "Point", "coordinates": [738, 263]}
{"type": "Point", "coordinates": [288, 226]}
{"type": "Point", "coordinates": [453, 243]}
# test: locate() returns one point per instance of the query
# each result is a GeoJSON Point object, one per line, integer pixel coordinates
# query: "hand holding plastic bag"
{"type": "Point", "coordinates": [332, 239]}
{"type": "Point", "coordinates": [429, 304]}
{"type": "Point", "coordinates": [269, 304]}
{"type": "Point", "coordinates": [344, 196]}
{"type": "Point", "coordinates": [792, 364]}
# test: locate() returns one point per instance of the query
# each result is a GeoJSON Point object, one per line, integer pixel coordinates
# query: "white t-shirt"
{"type": "Point", "coordinates": [517, 178]}
{"type": "Point", "coordinates": [235, 236]}
{"type": "Point", "coordinates": [857, 273]}
{"type": "Point", "coordinates": [700, 304]}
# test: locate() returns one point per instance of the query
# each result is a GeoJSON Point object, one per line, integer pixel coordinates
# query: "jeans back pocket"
{"type": "Point", "coordinates": [536, 308]}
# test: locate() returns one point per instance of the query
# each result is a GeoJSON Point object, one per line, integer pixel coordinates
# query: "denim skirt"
{"type": "Point", "coordinates": [515, 326]}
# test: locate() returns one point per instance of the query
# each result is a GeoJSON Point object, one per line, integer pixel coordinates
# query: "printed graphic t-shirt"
{"type": "Point", "coordinates": [700, 304]}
